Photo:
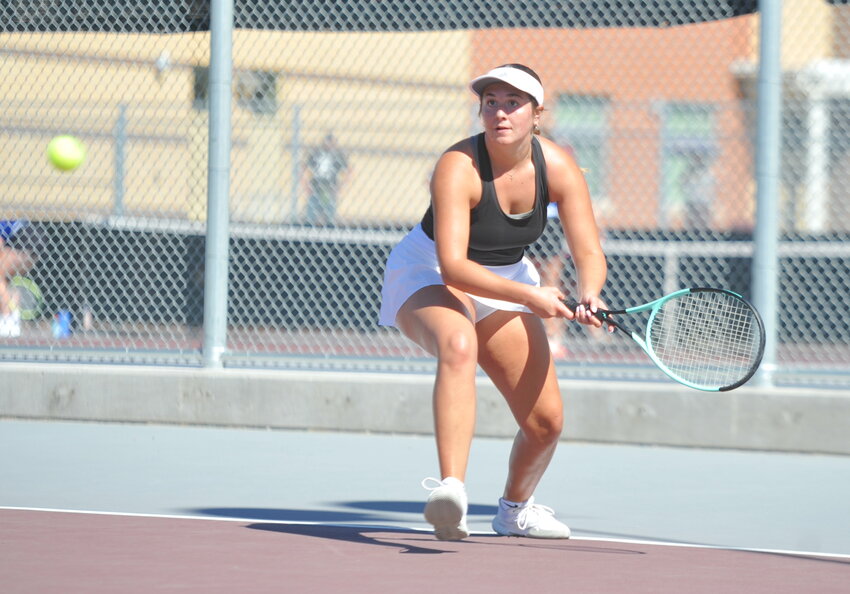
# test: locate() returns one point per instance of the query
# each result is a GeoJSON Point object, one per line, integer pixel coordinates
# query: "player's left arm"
{"type": "Point", "coordinates": [568, 189]}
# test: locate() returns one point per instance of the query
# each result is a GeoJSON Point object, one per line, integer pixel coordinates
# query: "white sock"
{"type": "Point", "coordinates": [450, 480]}
{"type": "Point", "coordinates": [508, 504]}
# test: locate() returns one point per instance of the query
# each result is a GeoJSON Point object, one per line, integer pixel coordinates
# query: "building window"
{"type": "Point", "coordinates": [256, 91]}
{"type": "Point", "coordinates": [253, 90]}
{"type": "Point", "coordinates": [581, 125]}
{"type": "Point", "coordinates": [200, 88]}
{"type": "Point", "coordinates": [688, 152]}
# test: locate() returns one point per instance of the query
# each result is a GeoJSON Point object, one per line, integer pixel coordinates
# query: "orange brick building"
{"type": "Point", "coordinates": [662, 101]}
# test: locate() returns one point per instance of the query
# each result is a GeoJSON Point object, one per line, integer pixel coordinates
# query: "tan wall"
{"type": "Point", "coordinates": [808, 32]}
{"type": "Point", "coordinates": [394, 100]}
{"type": "Point", "coordinates": [74, 83]}
{"type": "Point", "coordinates": [392, 116]}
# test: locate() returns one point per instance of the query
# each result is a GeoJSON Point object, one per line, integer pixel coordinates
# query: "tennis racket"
{"type": "Point", "coordinates": [705, 338]}
{"type": "Point", "coordinates": [30, 299]}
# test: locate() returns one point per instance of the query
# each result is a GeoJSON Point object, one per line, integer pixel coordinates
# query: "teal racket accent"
{"type": "Point", "coordinates": [704, 338]}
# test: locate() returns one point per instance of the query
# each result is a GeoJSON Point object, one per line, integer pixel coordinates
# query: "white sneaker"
{"type": "Point", "coordinates": [446, 508]}
{"type": "Point", "coordinates": [529, 519]}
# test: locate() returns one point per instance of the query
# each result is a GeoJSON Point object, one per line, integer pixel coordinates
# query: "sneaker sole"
{"type": "Point", "coordinates": [504, 531]}
{"type": "Point", "coordinates": [446, 515]}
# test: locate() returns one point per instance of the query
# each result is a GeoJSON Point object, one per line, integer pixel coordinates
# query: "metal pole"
{"type": "Point", "coordinates": [295, 151]}
{"type": "Point", "coordinates": [120, 137]}
{"type": "Point", "coordinates": [768, 143]}
{"type": "Point", "coordinates": [218, 192]}
{"type": "Point", "coordinates": [817, 162]}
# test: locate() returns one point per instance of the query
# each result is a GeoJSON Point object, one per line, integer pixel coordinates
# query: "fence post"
{"type": "Point", "coordinates": [295, 151]}
{"type": "Point", "coordinates": [768, 143]}
{"type": "Point", "coordinates": [120, 136]}
{"type": "Point", "coordinates": [218, 192]}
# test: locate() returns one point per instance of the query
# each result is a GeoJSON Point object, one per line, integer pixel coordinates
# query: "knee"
{"type": "Point", "coordinates": [458, 350]}
{"type": "Point", "coordinates": [544, 428]}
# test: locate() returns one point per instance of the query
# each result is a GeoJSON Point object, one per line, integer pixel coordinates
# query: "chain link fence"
{"type": "Point", "coordinates": [339, 111]}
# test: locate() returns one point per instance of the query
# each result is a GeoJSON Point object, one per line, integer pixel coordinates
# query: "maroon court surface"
{"type": "Point", "coordinates": [46, 551]}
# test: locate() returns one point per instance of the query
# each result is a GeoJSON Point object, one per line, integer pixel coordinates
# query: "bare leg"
{"type": "Point", "coordinates": [514, 353]}
{"type": "Point", "coordinates": [440, 320]}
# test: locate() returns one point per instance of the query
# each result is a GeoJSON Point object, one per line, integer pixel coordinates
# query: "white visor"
{"type": "Point", "coordinates": [515, 77]}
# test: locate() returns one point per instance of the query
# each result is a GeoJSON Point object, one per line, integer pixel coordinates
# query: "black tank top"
{"type": "Point", "coordinates": [496, 239]}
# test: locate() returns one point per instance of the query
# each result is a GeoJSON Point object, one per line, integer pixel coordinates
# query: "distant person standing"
{"type": "Point", "coordinates": [326, 166]}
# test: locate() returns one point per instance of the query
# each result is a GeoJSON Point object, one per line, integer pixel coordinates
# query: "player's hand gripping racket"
{"type": "Point", "coordinates": [704, 338]}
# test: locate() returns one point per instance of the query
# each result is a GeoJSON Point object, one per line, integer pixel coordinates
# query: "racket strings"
{"type": "Point", "coordinates": [707, 338]}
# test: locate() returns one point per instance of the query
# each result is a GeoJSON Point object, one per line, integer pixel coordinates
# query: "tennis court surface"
{"type": "Point", "coordinates": [88, 507]}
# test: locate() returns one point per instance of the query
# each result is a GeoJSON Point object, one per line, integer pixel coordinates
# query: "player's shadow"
{"type": "Point", "coordinates": [413, 507]}
{"type": "Point", "coordinates": [358, 534]}
{"type": "Point", "coordinates": [354, 522]}
{"type": "Point", "coordinates": [378, 523]}
{"type": "Point", "coordinates": [423, 543]}
{"type": "Point", "coordinates": [364, 512]}
{"type": "Point", "coordinates": [315, 516]}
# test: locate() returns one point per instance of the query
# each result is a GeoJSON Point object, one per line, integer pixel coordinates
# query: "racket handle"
{"type": "Point", "coordinates": [601, 314]}
{"type": "Point", "coordinates": [572, 304]}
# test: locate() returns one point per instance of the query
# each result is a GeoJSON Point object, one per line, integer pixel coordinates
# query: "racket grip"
{"type": "Point", "coordinates": [572, 304]}
{"type": "Point", "coordinates": [601, 314]}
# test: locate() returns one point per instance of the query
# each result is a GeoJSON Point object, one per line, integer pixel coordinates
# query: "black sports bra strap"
{"type": "Point", "coordinates": [482, 158]}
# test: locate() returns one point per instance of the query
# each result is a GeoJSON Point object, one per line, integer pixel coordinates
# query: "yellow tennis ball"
{"type": "Point", "coordinates": [66, 152]}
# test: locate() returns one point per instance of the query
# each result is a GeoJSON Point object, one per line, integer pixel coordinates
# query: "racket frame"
{"type": "Point", "coordinates": [654, 307]}
{"type": "Point", "coordinates": [25, 285]}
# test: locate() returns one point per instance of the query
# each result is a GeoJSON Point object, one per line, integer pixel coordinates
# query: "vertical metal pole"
{"type": "Point", "coordinates": [120, 138]}
{"type": "Point", "coordinates": [295, 151]}
{"type": "Point", "coordinates": [817, 162]}
{"type": "Point", "coordinates": [218, 236]}
{"type": "Point", "coordinates": [768, 144]}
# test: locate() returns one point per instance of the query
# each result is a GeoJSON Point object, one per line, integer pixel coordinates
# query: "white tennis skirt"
{"type": "Point", "coordinates": [413, 264]}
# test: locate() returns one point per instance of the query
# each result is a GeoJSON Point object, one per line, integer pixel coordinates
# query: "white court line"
{"type": "Point", "coordinates": [424, 530]}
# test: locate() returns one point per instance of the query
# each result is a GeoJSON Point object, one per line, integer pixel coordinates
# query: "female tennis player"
{"type": "Point", "coordinates": [459, 286]}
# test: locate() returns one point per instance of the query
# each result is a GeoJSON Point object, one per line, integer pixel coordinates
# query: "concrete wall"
{"type": "Point", "coordinates": [662, 414]}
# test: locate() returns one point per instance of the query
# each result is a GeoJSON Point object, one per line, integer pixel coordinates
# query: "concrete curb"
{"type": "Point", "coordinates": [618, 412]}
